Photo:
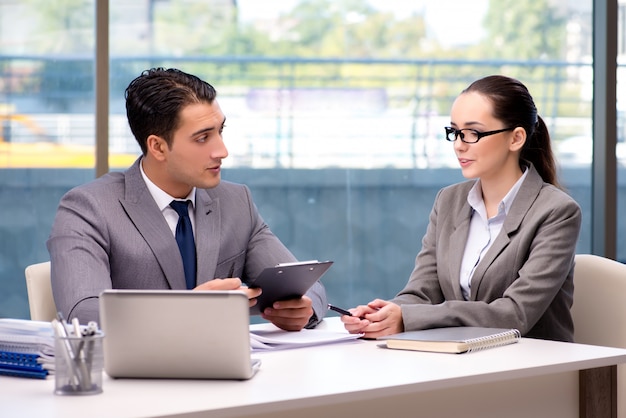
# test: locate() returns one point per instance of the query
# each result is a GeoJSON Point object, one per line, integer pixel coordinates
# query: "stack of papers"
{"type": "Point", "coordinates": [269, 337]}
{"type": "Point", "coordinates": [26, 348]}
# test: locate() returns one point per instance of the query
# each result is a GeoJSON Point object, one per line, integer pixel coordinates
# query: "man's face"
{"type": "Point", "coordinates": [197, 150]}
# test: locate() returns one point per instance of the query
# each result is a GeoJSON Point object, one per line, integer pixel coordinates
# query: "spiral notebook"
{"type": "Point", "coordinates": [452, 339]}
{"type": "Point", "coordinates": [26, 348]}
{"type": "Point", "coordinates": [22, 365]}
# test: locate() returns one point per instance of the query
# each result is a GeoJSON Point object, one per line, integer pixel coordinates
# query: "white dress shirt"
{"type": "Point", "coordinates": [163, 200]}
{"type": "Point", "coordinates": [482, 231]}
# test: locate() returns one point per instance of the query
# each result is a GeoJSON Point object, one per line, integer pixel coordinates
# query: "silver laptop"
{"type": "Point", "coordinates": [179, 334]}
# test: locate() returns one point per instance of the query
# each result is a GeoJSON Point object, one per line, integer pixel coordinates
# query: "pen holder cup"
{"type": "Point", "coordinates": [79, 362]}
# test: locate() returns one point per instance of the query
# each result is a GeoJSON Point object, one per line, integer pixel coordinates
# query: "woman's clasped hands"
{"type": "Point", "coordinates": [376, 319]}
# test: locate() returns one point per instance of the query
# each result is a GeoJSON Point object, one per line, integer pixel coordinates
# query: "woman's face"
{"type": "Point", "coordinates": [491, 155]}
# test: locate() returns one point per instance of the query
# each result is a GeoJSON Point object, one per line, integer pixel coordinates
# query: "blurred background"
{"type": "Point", "coordinates": [335, 113]}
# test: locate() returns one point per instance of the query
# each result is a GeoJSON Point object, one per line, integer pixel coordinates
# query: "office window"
{"type": "Point", "coordinates": [620, 149]}
{"type": "Point", "coordinates": [47, 128]}
{"type": "Point", "coordinates": [335, 111]}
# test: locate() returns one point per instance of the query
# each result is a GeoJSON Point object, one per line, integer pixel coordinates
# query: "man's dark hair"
{"type": "Point", "coordinates": [155, 98]}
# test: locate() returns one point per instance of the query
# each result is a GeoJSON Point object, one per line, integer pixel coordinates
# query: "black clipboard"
{"type": "Point", "coordinates": [286, 281]}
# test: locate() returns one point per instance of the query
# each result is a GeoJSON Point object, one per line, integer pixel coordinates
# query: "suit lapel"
{"type": "Point", "coordinates": [207, 234]}
{"type": "Point", "coordinates": [458, 239]}
{"type": "Point", "coordinates": [524, 199]}
{"type": "Point", "coordinates": [149, 221]}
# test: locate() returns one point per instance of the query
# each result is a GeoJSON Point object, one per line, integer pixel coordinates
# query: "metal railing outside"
{"type": "Point", "coordinates": [292, 112]}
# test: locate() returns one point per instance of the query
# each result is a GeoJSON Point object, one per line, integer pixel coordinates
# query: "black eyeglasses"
{"type": "Point", "coordinates": [470, 136]}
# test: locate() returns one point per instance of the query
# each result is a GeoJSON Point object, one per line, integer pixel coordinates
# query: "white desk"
{"type": "Point", "coordinates": [355, 379]}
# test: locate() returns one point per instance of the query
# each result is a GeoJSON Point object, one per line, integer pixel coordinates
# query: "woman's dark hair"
{"type": "Point", "coordinates": [155, 98]}
{"type": "Point", "coordinates": [514, 106]}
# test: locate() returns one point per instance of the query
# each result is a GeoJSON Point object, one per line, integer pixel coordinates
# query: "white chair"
{"type": "Point", "coordinates": [599, 309]}
{"type": "Point", "coordinates": [39, 288]}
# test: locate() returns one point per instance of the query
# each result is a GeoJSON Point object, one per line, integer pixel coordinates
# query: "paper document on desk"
{"type": "Point", "coordinates": [26, 348]}
{"type": "Point", "coordinates": [269, 337]}
{"type": "Point", "coordinates": [26, 336]}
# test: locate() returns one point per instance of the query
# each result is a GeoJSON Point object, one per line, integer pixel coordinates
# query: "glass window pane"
{"type": "Point", "coordinates": [621, 134]}
{"type": "Point", "coordinates": [47, 128]}
{"type": "Point", "coordinates": [335, 111]}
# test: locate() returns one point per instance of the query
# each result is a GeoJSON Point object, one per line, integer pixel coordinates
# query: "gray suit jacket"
{"type": "Point", "coordinates": [525, 280]}
{"type": "Point", "coordinates": [110, 233]}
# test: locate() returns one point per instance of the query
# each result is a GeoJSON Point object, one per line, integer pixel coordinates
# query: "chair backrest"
{"type": "Point", "coordinates": [599, 308]}
{"type": "Point", "coordinates": [39, 288]}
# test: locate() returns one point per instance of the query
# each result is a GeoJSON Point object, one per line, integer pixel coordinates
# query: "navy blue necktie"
{"type": "Point", "coordinates": [184, 239]}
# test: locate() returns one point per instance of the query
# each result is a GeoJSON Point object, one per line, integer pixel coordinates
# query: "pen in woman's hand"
{"type": "Point", "coordinates": [338, 309]}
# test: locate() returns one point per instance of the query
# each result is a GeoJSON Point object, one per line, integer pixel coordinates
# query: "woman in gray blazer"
{"type": "Point", "coordinates": [499, 249]}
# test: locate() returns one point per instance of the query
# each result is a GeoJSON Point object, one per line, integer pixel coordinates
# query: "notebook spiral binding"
{"type": "Point", "coordinates": [497, 340]}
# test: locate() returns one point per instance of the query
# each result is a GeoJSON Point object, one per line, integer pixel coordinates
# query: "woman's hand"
{"type": "Point", "coordinates": [376, 319]}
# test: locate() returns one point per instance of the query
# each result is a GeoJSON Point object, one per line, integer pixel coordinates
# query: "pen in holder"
{"type": "Point", "coordinates": [78, 359]}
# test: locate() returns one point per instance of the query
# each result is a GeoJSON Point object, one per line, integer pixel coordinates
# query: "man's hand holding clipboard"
{"type": "Point", "coordinates": [286, 281]}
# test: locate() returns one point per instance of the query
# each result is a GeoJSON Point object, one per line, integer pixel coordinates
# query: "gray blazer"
{"type": "Point", "coordinates": [110, 233]}
{"type": "Point", "coordinates": [525, 280]}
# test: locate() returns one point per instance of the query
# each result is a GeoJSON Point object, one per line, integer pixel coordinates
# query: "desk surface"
{"type": "Point", "coordinates": [344, 372]}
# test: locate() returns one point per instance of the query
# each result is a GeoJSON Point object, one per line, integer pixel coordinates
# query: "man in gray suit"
{"type": "Point", "coordinates": [119, 230]}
